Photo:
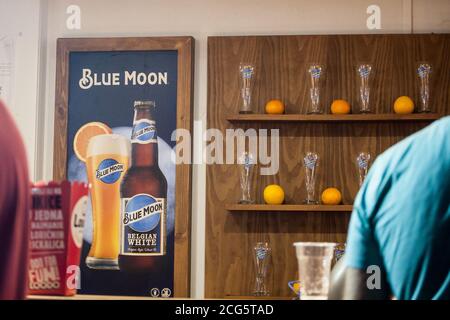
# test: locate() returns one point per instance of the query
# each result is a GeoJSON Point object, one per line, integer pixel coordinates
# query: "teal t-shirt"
{"type": "Point", "coordinates": [401, 216]}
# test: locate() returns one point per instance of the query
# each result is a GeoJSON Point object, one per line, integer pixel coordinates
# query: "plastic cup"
{"type": "Point", "coordinates": [314, 264]}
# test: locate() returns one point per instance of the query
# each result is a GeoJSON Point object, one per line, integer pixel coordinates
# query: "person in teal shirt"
{"type": "Point", "coordinates": [400, 223]}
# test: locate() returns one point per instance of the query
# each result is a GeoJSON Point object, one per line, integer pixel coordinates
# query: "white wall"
{"type": "Point", "coordinates": [20, 21]}
{"type": "Point", "coordinates": [203, 18]}
{"type": "Point", "coordinates": [431, 16]}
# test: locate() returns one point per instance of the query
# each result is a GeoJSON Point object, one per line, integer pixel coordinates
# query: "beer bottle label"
{"type": "Point", "coordinates": [143, 226]}
{"type": "Point", "coordinates": [144, 131]}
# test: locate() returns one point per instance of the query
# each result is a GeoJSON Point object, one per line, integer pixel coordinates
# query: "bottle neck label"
{"type": "Point", "coordinates": [144, 131]}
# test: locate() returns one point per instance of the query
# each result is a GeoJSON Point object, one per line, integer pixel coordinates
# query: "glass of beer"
{"type": "Point", "coordinates": [106, 163]}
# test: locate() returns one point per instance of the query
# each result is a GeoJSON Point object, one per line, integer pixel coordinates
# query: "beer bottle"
{"type": "Point", "coordinates": [143, 192]}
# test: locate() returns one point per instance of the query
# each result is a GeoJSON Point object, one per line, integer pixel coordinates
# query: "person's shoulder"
{"type": "Point", "coordinates": [441, 127]}
{"type": "Point", "coordinates": [433, 141]}
{"type": "Point", "coordinates": [444, 121]}
{"type": "Point", "coordinates": [436, 134]}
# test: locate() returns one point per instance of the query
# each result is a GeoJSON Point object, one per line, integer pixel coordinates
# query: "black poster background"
{"type": "Point", "coordinates": [113, 105]}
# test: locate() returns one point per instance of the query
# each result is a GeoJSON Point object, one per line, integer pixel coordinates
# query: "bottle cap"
{"type": "Point", "coordinates": [147, 103]}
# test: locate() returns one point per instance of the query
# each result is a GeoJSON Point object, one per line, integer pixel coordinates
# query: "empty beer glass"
{"type": "Point", "coordinates": [314, 264]}
{"type": "Point", "coordinates": [106, 163]}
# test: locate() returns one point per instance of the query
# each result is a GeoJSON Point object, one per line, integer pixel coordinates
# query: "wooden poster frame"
{"type": "Point", "coordinates": [185, 48]}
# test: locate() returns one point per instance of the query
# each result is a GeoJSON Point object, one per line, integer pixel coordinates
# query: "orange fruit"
{"type": "Point", "coordinates": [403, 105]}
{"type": "Point", "coordinates": [296, 287]}
{"type": "Point", "coordinates": [273, 194]}
{"type": "Point", "coordinates": [331, 196]}
{"type": "Point", "coordinates": [275, 107]}
{"type": "Point", "coordinates": [84, 134]}
{"type": "Point", "coordinates": [340, 106]}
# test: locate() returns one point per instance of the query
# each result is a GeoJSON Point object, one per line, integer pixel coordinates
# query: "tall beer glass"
{"type": "Point", "coordinates": [106, 163]}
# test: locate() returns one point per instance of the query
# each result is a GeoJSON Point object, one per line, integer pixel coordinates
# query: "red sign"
{"type": "Point", "coordinates": [57, 221]}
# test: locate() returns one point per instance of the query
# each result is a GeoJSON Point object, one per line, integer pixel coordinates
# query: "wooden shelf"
{"type": "Point", "coordinates": [333, 117]}
{"type": "Point", "coordinates": [288, 208]}
{"type": "Point", "coordinates": [90, 297]}
{"type": "Point", "coordinates": [102, 297]}
{"type": "Point", "coordinates": [256, 298]}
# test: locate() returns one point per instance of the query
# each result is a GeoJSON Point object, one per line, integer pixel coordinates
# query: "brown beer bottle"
{"type": "Point", "coordinates": [143, 192]}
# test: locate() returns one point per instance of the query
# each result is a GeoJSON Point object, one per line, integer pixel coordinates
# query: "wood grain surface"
{"type": "Point", "coordinates": [333, 117]}
{"type": "Point", "coordinates": [281, 64]}
{"type": "Point", "coordinates": [295, 208]}
{"type": "Point", "coordinates": [185, 48]}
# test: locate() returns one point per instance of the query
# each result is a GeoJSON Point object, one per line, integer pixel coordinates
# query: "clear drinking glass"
{"type": "Point", "coordinates": [262, 253]}
{"type": "Point", "coordinates": [247, 75]}
{"type": "Point", "coordinates": [246, 164]}
{"type": "Point", "coordinates": [310, 162]}
{"type": "Point", "coordinates": [362, 163]}
{"type": "Point", "coordinates": [364, 71]}
{"type": "Point", "coordinates": [314, 266]}
{"type": "Point", "coordinates": [423, 72]}
{"type": "Point", "coordinates": [316, 74]}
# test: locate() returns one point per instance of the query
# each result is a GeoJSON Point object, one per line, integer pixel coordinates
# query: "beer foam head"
{"type": "Point", "coordinates": [109, 144]}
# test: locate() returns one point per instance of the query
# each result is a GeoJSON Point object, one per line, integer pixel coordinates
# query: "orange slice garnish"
{"type": "Point", "coordinates": [84, 134]}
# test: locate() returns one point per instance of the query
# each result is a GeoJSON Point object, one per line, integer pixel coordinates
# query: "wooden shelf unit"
{"type": "Point", "coordinates": [281, 63]}
{"type": "Point", "coordinates": [372, 117]}
{"type": "Point", "coordinates": [300, 208]}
